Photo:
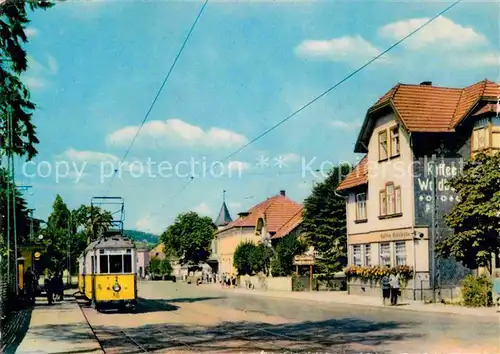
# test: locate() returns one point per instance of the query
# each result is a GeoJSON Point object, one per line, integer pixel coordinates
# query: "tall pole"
{"type": "Point", "coordinates": [69, 250]}
{"type": "Point", "coordinates": [11, 145]}
{"type": "Point", "coordinates": [434, 205]}
{"type": "Point", "coordinates": [8, 182]}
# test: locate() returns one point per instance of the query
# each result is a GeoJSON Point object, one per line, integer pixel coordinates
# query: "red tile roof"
{"type": "Point", "coordinates": [424, 108]}
{"type": "Point", "coordinates": [488, 108]}
{"type": "Point", "coordinates": [427, 108]}
{"type": "Point", "coordinates": [290, 225]}
{"type": "Point", "coordinates": [357, 177]}
{"type": "Point", "coordinates": [277, 211]}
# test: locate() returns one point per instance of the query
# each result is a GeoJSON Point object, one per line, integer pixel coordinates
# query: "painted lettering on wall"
{"type": "Point", "coordinates": [395, 235]}
{"type": "Point", "coordinates": [431, 181]}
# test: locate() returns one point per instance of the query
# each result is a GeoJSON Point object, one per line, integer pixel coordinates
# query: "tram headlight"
{"type": "Point", "coordinates": [117, 287]}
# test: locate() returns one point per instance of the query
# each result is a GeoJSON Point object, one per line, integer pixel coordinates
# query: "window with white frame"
{"type": "Point", "coordinates": [397, 200]}
{"type": "Point", "coordinates": [395, 148]}
{"type": "Point", "coordinates": [383, 203]}
{"type": "Point", "coordinates": [389, 190]}
{"type": "Point", "coordinates": [390, 200]}
{"type": "Point", "coordinates": [361, 206]}
{"type": "Point", "coordinates": [400, 252]}
{"type": "Point", "coordinates": [385, 254]}
{"type": "Point", "coordinates": [368, 255]}
{"type": "Point", "coordinates": [383, 153]}
{"type": "Point", "coordinates": [356, 255]}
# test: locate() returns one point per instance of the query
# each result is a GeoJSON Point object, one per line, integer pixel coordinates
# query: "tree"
{"type": "Point", "coordinates": [286, 249]}
{"type": "Point", "coordinates": [14, 96]}
{"type": "Point", "coordinates": [92, 220]}
{"type": "Point", "coordinates": [154, 267]}
{"type": "Point", "coordinates": [190, 237]}
{"type": "Point", "coordinates": [57, 235]}
{"type": "Point", "coordinates": [22, 219]}
{"type": "Point", "coordinates": [250, 258]}
{"type": "Point", "coordinates": [165, 268]}
{"type": "Point", "coordinates": [324, 222]}
{"type": "Point", "coordinates": [475, 220]}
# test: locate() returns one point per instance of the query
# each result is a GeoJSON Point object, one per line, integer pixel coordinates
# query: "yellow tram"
{"type": "Point", "coordinates": [107, 274]}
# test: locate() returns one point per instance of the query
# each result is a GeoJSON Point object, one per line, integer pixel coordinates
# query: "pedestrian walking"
{"type": "Point", "coordinates": [49, 288]}
{"type": "Point", "coordinates": [394, 282]}
{"type": "Point", "coordinates": [29, 285]}
{"type": "Point", "coordinates": [386, 288]}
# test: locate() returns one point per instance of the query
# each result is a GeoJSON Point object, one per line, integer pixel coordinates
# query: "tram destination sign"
{"type": "Point", "coordinates": [426, 174]}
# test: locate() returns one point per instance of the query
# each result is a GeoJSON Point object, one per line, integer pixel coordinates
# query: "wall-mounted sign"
{"type": "Point", "coordinates": [396, 235]}
{"type": "Point", "coordinates": [304, 260]}
{"type": "Point", "coordinates": [426, 175]}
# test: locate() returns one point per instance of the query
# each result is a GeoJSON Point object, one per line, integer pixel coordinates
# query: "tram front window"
{"type": "Point", "coordinates": [115, 263]}
{"type": "Point", "coordinates": [103, 261]}
{"type": "Point", "coordinates": [127, 263]}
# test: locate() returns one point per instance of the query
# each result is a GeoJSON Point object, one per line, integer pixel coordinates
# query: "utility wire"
{"type": "Point", "coordinates": [264, 133]}
{"type": "Point", "coordinates": [160, 90]}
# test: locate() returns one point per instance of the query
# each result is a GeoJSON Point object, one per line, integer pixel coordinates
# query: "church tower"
{"type": "Point", "coordinates": [224, 218]}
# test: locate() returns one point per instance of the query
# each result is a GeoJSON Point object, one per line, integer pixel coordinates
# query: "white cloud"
{"type": "Point", "coordinates": [33, 82]}
{"type": "Point", "coordinates": [344, 49]}
{"type": "Point", "coordinates": [203, 209]}
{"type": "Point", "coordinates": [442, 33]}
{"type": "Point", "coordinates": [31, 32]}
{"type": "Point", "coordinates": [146, 224]}
{"type": "Point", "coordinates": [237, 166]}
{"type": "Point", "coordinates": [345, 125]}
{"type": "Point", "coordinates": [290, 157]}
{"type": "Point", "coordinates": [177, 132]}
{"type": "Point", "coordinates": [52, 63]}
{"type": "Point", "coordinates": [92, 157]}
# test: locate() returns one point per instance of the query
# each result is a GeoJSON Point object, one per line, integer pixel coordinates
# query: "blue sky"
{"type": "Point", "coordinates": [95, 67]}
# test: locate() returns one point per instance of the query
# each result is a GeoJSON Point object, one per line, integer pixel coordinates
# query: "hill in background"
{"type": "Point", "coordinates": [142, 237]}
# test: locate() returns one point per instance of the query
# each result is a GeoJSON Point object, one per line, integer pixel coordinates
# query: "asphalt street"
{"type": "Point", "coordinates": [180, 317]}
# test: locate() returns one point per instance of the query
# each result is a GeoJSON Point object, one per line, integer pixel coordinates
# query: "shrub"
{"type": "Point", "coordinates": [477, 291]}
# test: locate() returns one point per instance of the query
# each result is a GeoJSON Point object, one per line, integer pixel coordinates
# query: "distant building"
{"type": "Point", "coordinates": [276, 217]}
{"type": "Point", "coordinates": [142, 261]}
{"type": "Point", "coordinates": [222, 220]}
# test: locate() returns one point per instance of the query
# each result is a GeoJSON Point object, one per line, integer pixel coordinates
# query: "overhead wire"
{"type": "Point", "coordinates": [158, 92]}
{"type": "Point", "coordinates": [315, 99]}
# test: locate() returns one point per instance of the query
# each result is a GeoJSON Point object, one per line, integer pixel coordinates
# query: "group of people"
{"type": "Point", "coordinates": [54, 286]}
{"type": "Point", "coordinates": [228, 281]}
{"type": "Point", "coordinates": [391, 288]}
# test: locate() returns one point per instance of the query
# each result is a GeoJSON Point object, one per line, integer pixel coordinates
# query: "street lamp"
{"type": "Point", "coordinates": [415, 239]}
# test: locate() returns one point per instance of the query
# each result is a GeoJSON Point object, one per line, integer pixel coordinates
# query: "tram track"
{"type": "Point", "coordinates": [160, 339]}
{"type": "Point", "coordinates": [252, 337]}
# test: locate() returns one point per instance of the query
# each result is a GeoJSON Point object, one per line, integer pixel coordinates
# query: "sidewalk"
{"type": "Point", "coordinates": [341, 297]}
{"type": "Point", "coordinates": [60, 328]}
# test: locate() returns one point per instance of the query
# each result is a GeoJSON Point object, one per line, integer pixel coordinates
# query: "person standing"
{"type": "Point", "coordinates": [49, 288]}
{"type": "Point", "coordinates": [394, 283]}
{"type": "Point", "coordinates": [386, 288]}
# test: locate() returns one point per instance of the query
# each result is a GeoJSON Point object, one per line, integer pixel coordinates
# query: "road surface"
{"type": "Point", "coordinates": [177, 317]}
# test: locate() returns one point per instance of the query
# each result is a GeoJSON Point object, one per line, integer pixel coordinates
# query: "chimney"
{"type": "Point", "coordinates": [283, 193]}
{"type": "Point", "coordinates": [426, 83]}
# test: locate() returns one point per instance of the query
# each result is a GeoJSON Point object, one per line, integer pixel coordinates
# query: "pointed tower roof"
{"type": "Point", "coordinates": [224, 217]}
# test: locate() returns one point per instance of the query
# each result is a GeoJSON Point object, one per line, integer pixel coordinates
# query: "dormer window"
{"type": "Point", "coordinates": [259, 226]}
{"type": "Point", "coordinates": [382, 146]}
{"type": "Point", "coordinates": [395, 148]}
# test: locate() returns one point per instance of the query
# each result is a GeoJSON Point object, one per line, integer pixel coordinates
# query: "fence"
{"type": "Point", "coordinates": [301, 283]}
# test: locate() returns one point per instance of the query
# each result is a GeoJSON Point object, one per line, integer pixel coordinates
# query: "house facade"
{"type": "Point", "coordinates": [142, 259]}
{"type": "Point", "coordinates": [415, 138]}
{"type": "Point", "coordinates": [275, 217]}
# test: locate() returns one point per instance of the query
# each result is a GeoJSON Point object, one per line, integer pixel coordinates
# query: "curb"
{"type": "Point", "coordinates": [494, 315]}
